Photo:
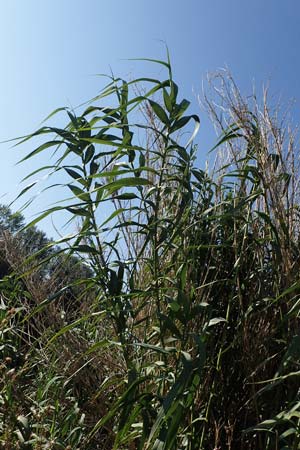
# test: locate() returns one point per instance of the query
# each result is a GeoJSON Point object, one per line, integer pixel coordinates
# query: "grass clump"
{"type": "Point", "coordinates": [182, 332]}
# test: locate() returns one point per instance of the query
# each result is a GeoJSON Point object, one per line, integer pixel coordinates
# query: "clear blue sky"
{"type": "Point", "coordinates": [51, 50]}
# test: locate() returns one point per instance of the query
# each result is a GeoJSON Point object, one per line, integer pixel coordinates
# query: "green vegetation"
{"type": "Point", "coordinates": [180, 328]}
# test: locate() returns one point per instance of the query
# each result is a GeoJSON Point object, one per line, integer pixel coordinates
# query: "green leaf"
{"type": "Point", "coordinates": [173, 92]}
{"type": "Point", "coordinates": [27, 188]}
{"type": "Point", "coordinates": [73, 120]}
{"type": "Point", "coordinates": [228, 135]}
{"type": "Point", "coordinates": [70, 326]}
{"type": "Point", "coordinates": [83, 248]}
{"type": "Point", "coordinates": [157, 61]}
{"type": "Point", "coordinates": [126, 182]}
{"type": "Point", "coordinates": [42, 216]}
{"type": "Point", "coordinates": [142, 160]}
{"type": "Point", "coordinates": [167, 101]}
{"type": "Point", "coordinates": [117, 405]}
{"type": "Point", "coordinates": [156, 348]}
{"type": "Point", "coordinates": [126, 196]}
{"type": "Point", "coordinates": [180, 123]}
{"type": "Point", "coordinates": [53, 113]}
{"type": "Point", "coordinates": [47, 301]}
{"type": "Point", "coordinates": [89, 153]}
{"type": "Point", "coordinates": [94, 167]}
{"type": "Point", "coordinates": [40, 149]}
{"type": "Point", "coordinates": [79, 192]}
{"type": "Point", "coordinates": [78, 211]}
{"type": "Point", "coordinates": [73, 174]}
{"type": "Point", "coordinates": [160, 112]}
{"type": "Point", "coordinates": [170, 325]}
{"type": "Point", "coordinates": [181, 108]}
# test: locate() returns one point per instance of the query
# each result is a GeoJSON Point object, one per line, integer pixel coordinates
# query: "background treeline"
{"type": "Point", "coordinates": [170, 318]}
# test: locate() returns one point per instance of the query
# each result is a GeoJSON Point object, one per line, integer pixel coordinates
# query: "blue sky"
{"type": "Point", "coordinates": [51, 51]}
